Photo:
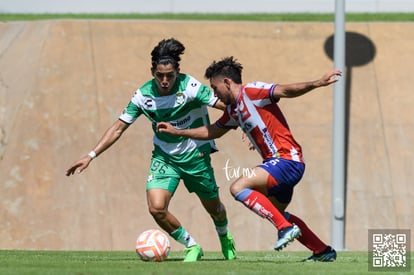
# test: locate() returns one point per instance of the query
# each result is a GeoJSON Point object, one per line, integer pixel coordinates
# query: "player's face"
{"type": "Point", "coordinates": [221, 89]}
{"type": "Point", "coordinates": [165, 76]}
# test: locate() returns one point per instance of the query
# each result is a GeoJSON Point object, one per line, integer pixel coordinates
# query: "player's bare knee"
{"type": "Point", "coordinates": [236, 187]}
{"type": "Point", "coordinates": [219, 213]}
{"type": "Point", "coordinates": [157, 213]}
{"type": "Point", "coordinates": [216, 210]}
{"type": "Point", "coordinates": [220, 210]}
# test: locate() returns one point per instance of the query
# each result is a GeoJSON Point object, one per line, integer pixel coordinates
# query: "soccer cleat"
{"type": "Point", "coordinates": [227, 246]}
{"type": "Point", "coordinates": [193, 253]}
{"type": "Point", "coordinates": [287, 235]}
{"type": "Point", "coordinates": [328, 255]}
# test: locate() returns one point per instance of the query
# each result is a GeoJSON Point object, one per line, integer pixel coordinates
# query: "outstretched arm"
{"type": "Point", "coordinates": [111, 135]}
{"type": "Point", "coordinates": [298, 89]}
{"type": "Point", "coordinates": [203, 132]}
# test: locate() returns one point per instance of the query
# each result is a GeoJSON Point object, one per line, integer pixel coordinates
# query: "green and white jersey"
{"type": "Point", "coordinates": [184, 108]}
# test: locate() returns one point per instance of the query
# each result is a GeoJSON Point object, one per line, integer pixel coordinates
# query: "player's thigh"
{"type": "Point", "coordinates": [284, 175]}
{"type": "Point", "coordinates": [199, 178]}
{"type": "Point", "coordinates": [158, 199]}
{"type": "Point", "coordinates": [257, 180]}
{"type": "Point", "coordinates": [162, 182]}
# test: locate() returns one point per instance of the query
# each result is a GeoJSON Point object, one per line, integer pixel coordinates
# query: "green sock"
{"type": "Point", "coordinates": [182, 236]}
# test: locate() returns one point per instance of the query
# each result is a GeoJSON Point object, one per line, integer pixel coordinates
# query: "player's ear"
{"type": "Point", "coordinates": [227, 82]}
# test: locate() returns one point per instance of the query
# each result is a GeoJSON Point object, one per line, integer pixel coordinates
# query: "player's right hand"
{"type": "Point", "coordinates": [78, 166]}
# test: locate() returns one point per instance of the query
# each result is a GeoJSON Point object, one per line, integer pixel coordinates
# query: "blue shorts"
{"type": "Point", "coordinates": [287, 173]}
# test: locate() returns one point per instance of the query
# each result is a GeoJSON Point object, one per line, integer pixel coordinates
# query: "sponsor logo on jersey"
{"type": "Point", "coordinates": [149, 103]}
{"type": "Point", "coordinates": [181, 122]}
{"type": "Point", "coordinates": [268, 140]}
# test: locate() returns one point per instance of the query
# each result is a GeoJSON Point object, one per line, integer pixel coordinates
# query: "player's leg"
{"type": "Point", "coordinates": [199, 178]}
{"type": "Point", "coordinates": [269, 178]}
{"type": "Point", "coordinates": [321, 251]}
{"type": "Point", "coordinates": [308, 237]}
{"type": "Point", "coordinates": [217, 211]}
{"type": "Point", "coordinates": [281, 195]}
{"type": "Point", "coordinates": [158, 200]}
{"type": "Point", "coordinates": [161, 185]}
{"type": "Point", "coordinates": [252, 192]}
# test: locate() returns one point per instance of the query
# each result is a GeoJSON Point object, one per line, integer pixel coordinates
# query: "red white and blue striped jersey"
{"type": "Point", "coordinates": [260, 117]}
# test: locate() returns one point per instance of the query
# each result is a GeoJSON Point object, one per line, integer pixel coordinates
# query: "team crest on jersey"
{"type": "Point", "coordinates": [179, 98]}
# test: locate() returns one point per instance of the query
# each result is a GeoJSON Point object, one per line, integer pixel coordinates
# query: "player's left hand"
{"type": "Point", "coordinates": [330, 77]}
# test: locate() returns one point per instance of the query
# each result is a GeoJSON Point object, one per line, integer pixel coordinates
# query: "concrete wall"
{"type": "Point", "coordinates": [63, 82]}
{"type": "Point", "coordinates": [194, 6]}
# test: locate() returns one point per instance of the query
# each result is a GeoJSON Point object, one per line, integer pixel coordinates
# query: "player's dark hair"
{"type": "Point", "coordinates": [167, 51]}
{"type": "Point", "coordinates": [227, 67]}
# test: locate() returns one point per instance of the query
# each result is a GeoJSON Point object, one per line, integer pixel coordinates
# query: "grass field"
{"type": "Point", "coordinates": [291, 17]}
{"type": "Point", "coordinates": [127, 262]}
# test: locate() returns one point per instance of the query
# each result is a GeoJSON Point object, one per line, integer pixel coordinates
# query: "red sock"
{"type": "Point", "coordinates": [308, 238]}
{"type": "Point", "coordinates": [260, 204]}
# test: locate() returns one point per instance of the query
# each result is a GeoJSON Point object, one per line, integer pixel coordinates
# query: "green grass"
{"type": "Point", "coordinates": [126, 262]}
{"type": "Point", "coordinates": [297, 17]}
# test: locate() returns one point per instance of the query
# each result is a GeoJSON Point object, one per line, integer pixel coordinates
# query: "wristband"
{"type": "Point", "coordinates": [92, 154]}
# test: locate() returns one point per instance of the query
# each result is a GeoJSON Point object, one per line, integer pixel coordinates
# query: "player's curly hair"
{"type": "Point", "coordinates": [167, 51]}
{"type": "Point", "coordinates": [227, 67]}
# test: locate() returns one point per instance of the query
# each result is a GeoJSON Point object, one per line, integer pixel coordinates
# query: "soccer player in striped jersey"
{"type": "Point", "coordinates": [181, 100]}
{"type": "Point", "coordinates": [268, 189]}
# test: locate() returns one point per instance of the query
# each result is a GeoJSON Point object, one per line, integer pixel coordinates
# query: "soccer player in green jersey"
{"type": "Point", "coordinates": [181, 100]}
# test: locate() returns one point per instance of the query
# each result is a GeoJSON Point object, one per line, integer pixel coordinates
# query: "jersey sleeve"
{"type": "Point", "coordinates": [261, 93]}
{"type": "Point", "coordinates": [132, 111]}
{"type": "Point", "coordinates": [226, 121]}
{"type": "Point", "coordinates": [206, 96]}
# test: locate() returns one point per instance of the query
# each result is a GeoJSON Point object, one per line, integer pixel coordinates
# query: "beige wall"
{"type": "Point", "coordinates": [62, 83]}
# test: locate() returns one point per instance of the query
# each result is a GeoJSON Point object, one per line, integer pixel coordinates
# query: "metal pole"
{"type": "Point", "coordinates": [338, 162]}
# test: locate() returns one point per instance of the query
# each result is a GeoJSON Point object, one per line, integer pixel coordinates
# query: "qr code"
{"type": "Point", "coordinates": [389, 250]}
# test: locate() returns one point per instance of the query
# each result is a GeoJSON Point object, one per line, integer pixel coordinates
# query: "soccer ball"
{"type": "Point", "coordinates": [153, 245]}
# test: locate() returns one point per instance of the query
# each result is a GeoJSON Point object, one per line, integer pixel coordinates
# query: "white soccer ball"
{"type": "Point", "coordinates": [153, 245]}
